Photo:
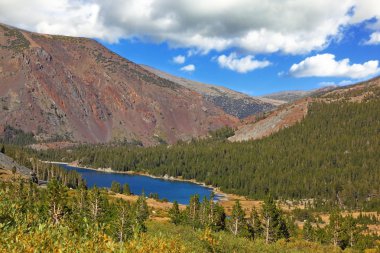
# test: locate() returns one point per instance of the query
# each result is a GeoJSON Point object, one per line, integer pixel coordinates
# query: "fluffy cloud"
{"type": "Point", "coordinates": [325, 65]}
{"type": "Point", "coordinates": [374, 39]}
{"type": "Point", "coordinates": [288, 26]}
{"type": "Point", "coordinates": [179, 59]}
{"type": "Point", "coordinates": [241, 65]}
{"type": "Point", "coordinates": [341, 83]}
{"type": "Point", "coordinates": [188, 68]}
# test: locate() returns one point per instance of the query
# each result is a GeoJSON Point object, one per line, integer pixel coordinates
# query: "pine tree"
{"type": "Point", "coordinates": [126, 189]}
{"type": "Point", "coordinates": [274, 224]}
{"type": "Point", "coordinates": [334, 228]}
{"type": "Point", "coordinates": [219, 218]}
{"type": "Point", "coordinates": [115, 187]}
{"type": "Point", "coordinates": [308, 231]}
{"type": "Point", "coordinates": [175, 214]}
{"type": "Point", "coordinates": [96, 204]}
{"type": "Point", "coordinates": [141, 214]}
{"type": "Point", "coordinates": [351, 230]}
{"type": "Point", "coordinates": [57, 200]}
{"type": "Point", "coordinates": [123, 228]}
{"type": "Point", "coordinates": [255, 226]}
{"type": "Point", "coordinates": [237, 221]}
{"type": "Point", "coordinates": [193, 211]}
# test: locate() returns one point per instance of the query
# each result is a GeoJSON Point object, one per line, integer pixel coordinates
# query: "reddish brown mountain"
{"type": "Point", "coordinates": [74, 87]}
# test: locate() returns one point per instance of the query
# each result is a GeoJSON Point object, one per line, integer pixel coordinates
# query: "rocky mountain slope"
{"type": "Point", "coordinates": [290, 96]}
{"type": "Point", "coordinates": [292, 113]}
{"type": "Point", "coordinates": [74, 88]}
{"type": "Point", "coordinates": [232, 102]}
{"type": "Point", "coordinates": [7, 165]}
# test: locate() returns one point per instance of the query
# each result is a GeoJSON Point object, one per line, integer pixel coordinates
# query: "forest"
{"type": "Point", "coordinates": [330, 158]}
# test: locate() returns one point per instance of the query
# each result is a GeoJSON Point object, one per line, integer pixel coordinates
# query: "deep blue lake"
{"type": "Point", "coordinates": [171, 190]}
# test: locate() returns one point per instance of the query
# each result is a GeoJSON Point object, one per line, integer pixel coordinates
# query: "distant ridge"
{"type": "Point", "coordinates": [232, 102]}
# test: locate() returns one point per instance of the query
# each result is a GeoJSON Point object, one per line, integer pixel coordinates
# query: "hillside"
{"type": "Point", "coordinates": [70, 88]}
{"type": "Point", "coordinates": [288, 96]}
{"type": "Point", "coordinates": [292, 113]}
{"type": "Point", "coordinates": [8, 166]}
{"type": "Point", "coordinates": [232, 102]}
{"type": "Point", "coordinates": [291, 96]}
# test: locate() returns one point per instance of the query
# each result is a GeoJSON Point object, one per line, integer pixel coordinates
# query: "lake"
{"type": "Point", "coordinates": [169, 189]}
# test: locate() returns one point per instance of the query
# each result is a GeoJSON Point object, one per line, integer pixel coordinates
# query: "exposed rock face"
{"type": "Point", "coordinates": [284, 117]}
{"type": "Point", "coordinates": [232, 102]}
{"type": "Point", "coordinates": [74, 87]}
{"type": "Point", "coordinates": [8, 164]}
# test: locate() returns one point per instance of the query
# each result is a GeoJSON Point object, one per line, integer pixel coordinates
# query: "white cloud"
{"type": "Point", "coordinates": [374, 39]}
{"type": "Point", "coordinates": [188, 68]}
{"type": "Point", "coordinates": [179, 59]}
{"type": "Point", "coordinates": [289, 26]}
{"type": "Point", "coordinates": [341, 83]}
{"type": "Point", "coordinates": [241, 65]}
{"type": "Point", "coordinates": [325, 65]}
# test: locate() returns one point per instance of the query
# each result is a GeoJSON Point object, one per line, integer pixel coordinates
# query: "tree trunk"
{"type": "Point", "coordinates": [267, 231]}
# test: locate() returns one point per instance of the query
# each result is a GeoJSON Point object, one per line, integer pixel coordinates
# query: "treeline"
{"type": "Point", "coordinates": [331, 157]}
{"type": "Point", "coordinates": [42, 171]}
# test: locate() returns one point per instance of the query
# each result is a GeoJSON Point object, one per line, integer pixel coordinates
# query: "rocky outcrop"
{"type": "Point", "coordinates": [285, 116]}
{"type": "Point", "coordinates": [8, 164]}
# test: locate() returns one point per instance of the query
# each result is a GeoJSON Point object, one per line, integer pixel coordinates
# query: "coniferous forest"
{"type": "Point", "coordinates": [332, 157]}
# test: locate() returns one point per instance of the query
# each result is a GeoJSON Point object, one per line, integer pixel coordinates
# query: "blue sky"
{"type": "Point", "coordinates": [257, 47]}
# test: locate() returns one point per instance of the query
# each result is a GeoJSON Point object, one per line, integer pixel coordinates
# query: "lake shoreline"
{"type": "Point", "coordinates": [221, 196]}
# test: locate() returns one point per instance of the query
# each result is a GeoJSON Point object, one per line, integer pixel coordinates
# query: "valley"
{"type": "Point", "coordinates": [101, 154]}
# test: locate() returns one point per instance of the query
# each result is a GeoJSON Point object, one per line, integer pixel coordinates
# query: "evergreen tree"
{"type": "Point", "coordinates": [175, 214]}
{"type": "Point", "coordinates": [335, 228]}
{"type": "Point", "coordinates": [308, 231]}
{"type": "Point", "coordinates": [218, 221]}
{"type": "Point", "coordinates": [116, 187]}
{"type": "Point", "coordinates": [123, 229]}
{"type": "Point", "coordinates": [57, 200]}
{"type": "Point", "coordinates": [205, 213]}
{"type": "Point", "coordinates": [141, 214]}
{"type": "Point", "coordinates": [2, 149]}
{"type": "Point", "coordinates": [352, 230]}
{"type": "Point", "coordinates": [193, 211]}
{"type": "Point", "coordinates": [255, 226]}
{"type": "Point", "coordinates": [126, 189]}
{"type": "Point", "coordinates": [237, 221]}
{"type": "Point", "coordinates": [274, 224]}
{"type": "Point", "coordinates": [96, 205]}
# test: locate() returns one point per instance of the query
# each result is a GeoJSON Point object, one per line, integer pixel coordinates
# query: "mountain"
{"type": "Point", "coordinates": [60, 87]}
{"type": "Point", "coordinates": [290, 96]}
{"type": "Point", "coordinates": [289, 114]}
{"type": "Point", "coordinates": [232, 102]}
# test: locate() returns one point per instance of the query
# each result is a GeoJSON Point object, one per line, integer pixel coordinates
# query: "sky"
{"type": "Point", "coordinates": [253, 46]}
